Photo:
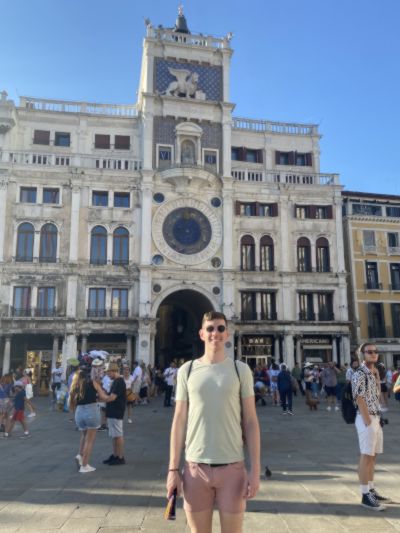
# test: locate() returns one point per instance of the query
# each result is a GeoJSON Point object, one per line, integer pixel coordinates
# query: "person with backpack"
{"type": "Point", "coordinates": [366, 392]}
{"type": "Point", "coordinates": [214, 413]}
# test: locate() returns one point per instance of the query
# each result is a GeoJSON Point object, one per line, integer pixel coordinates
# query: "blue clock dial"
{"type": "Point", "coordinates": [187, 230]}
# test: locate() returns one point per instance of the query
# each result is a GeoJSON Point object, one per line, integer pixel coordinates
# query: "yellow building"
{"type": "Point", "coordinates": [371, 225]}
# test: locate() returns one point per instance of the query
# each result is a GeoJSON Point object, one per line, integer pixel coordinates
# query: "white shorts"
{"type": "Point", "coordinates": [370, 437]}
{"type": "Point", "coordinates": [115, 428]}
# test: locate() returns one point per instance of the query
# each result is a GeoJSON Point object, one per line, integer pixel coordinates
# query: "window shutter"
{"type": "Point", "coordinates": [312, 211]}
{"type": "Point", "coordinates": [274, 210]}
{"type": "Point", "coordinates": [309, 159]}
{"type": "Point", "coordinates": [101, 141]}
{"type": "Point", "coordinates": [277, 157]}
{"type": "Point", "coordinates": [259, 156]}
{"type": "Point", "coordinates": [237, 208]}
{"type": "Point", "coordinates": [41, 137]}
{"type": "Point", "coordinates": [256, 209]}
{"type": "Point", "coordinates": [292, 158]}
{"type": "Point", "coordinates": [242, 153]}
{"type": "Point", "coordinates": [330, 211]}
{"type": "Point", "coordinates": [122, 142]}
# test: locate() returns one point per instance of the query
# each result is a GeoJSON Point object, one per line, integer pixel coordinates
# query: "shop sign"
{"type": "Point", "coordinates": [316, 341]}
{"type": "Point", "coordinates": [256, 341]}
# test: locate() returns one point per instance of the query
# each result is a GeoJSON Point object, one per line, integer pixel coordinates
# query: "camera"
{"type": "Point", "coordinates": [383, 421]}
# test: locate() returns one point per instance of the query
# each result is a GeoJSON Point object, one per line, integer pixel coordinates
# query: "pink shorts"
{"type": "Point", "coordinates": [224, 486]}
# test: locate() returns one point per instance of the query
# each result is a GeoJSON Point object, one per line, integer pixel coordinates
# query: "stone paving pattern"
{"type": "Point", "coordinates": [314, 487]}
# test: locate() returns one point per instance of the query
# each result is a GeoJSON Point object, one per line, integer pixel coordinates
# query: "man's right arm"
{"type": "Point", "coordinates": [178, 432]}
{"type": "Point", "coordinates": [362, 407]}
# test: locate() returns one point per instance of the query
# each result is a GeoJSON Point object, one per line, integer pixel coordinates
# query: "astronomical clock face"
{"type": "Point", "coordinates": [187, 231]}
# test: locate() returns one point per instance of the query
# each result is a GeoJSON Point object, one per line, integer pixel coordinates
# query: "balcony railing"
{"type": "Point", "coordinates": [258, 269]}
{"type": "Point", "coordinates": [249, 316]}
{"type": "Point", "coordinates": [283, 128]}
{"type": "Point", "coordinates": [96, 313]}
{"type": "Point", "coordinates": [394, 250]}
{"type": "Point", "coordinates": [119, 313]}
{"type": "Point", "coordinates": [289, 177]}
{"type": "Point", "coordinates": [120, 262]}
{"type": "Point", "coordinates": [64, 106]}
{"type": "Point", "coordinates": [65, 159]}
{"type": "Point", "coordinates": [373, 286]}
{"type": "Point", "coordinates": [202, 41]}
{"type": "Point", "coordinates": [21, 311]}
{"type": "Point", "coordinates": [41, 312]}
{"type": "Point", "coordinates": [306, 316]}
{"type": "Point", "coordinates": [326, 317]}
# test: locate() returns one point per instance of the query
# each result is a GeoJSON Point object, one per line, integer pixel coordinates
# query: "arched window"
{"type": "Point", "coordinates": [303, 255]}
{"type": "Point", "coordinates": [98, 246]}
{"type": "Point", "coordinates": [247, 253]}
{"type": "Point", "coordinates": [323, 260]}
{"type": "Point", "coordinates": [48, 244]}
{"type": "Point", "coordinates": [121, 246]}
{"type": "Point", "coordinates": [266, 253]}
{"type": "Point", "coordinates": [25, 237]}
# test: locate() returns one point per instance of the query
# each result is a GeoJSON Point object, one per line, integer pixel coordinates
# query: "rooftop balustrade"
{"type": "Point", "coordinates": [289, 177]}
{"type": "Point", "coordinates": [65, 106]}
{"type": "Point", "coordinates": [283, 128]}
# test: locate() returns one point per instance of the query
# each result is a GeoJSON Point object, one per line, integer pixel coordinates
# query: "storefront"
{"type": "Point", "coordinates": [315, 349]}
{"type": "Point", "coordinates": [256, 349]}
{"type": "Point", "coordinates": [39, 362]}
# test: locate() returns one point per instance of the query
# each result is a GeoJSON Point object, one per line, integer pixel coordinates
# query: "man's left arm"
{"type": "Point", "coordinates": [251, 430]}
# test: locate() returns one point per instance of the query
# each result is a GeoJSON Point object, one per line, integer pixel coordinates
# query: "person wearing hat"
{"type": "Point", "coordinates": [115, 410]}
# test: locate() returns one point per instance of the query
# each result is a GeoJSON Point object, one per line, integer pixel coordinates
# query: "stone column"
{"type": "Point", "coordinates": [54, 352]}
{"type": "Point", "coordinates": [288, 351]}
{"type": "Point", "coordinates": [74, 224]}
{"type": "Point", "coordinates": [298, 350]}
{"type": "Point", "coordinates": [84, 343]}
{"type": "Point", "coordinates": [239, 346]}
{"type": "Point", "coordinates": [345, 349]}
{"type": "Point", "coordinates": [228, 225]}
{"type": "Point", "coordinates": [129, 348]}
{"type": "Point", "coordinates": [334, 350]}
{"type": "Point", "coordinates": [68, 350]}
{"type": "Point", "coordinates": [72, 289]}
{"type": "Point", "coordinates": [145, 235]}
{"type": "Point", "coordinates": [6, 355]}
{"type": "Point", "coordinates": [277, 354]}
{"type": "Point", "coordinates": [3, 201]}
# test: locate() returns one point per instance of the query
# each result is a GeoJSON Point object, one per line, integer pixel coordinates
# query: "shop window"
{"type": "Point", "coordinates": [121, 246]}
{"type": "Point", "coordinates": [62, 139]}
{"type": "Point", "coordinates": [22, 301]}
{"type": "Point", "coordinates": [25, 238]}
{"type": "Point", "coordinates": [121, 199]}
{"type": "Point", "coordinates": [100, 198]}
{"type": "Point", "coordinates": [122, 142]}
{"type": "Point", "coordinates": [97, 303]}
{"type": "Point", "coordinates": [51, 196]}
{"type": "Point", "coordinates": [41, 137]}
{"type": "Point", "coordinates": [247, 252]}
{"type": "Point", "coordinates": [119, 303]}
{"type": "Point", "coordinates": [48, 244]}
{"type": "Point", "coordinates": [28, 195]}
{"type": "Point", "coordinates": [98, 246]}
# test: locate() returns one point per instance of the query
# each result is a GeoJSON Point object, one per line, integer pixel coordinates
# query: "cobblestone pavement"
{"type": "Point", "coordinates": [313, 488]}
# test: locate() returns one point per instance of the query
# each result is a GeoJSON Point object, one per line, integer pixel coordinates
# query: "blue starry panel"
{"type": "Point", "coordinates": [210, 78]}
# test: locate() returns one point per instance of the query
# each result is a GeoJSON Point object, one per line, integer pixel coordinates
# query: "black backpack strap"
{"type": "Point", "coordinates": [237, 371]}
{"type": "Point", "coordinates": [190, 369]}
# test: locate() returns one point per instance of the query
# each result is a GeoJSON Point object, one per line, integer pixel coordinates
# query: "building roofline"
{"type": "Point", "coordinates": [371, 195]}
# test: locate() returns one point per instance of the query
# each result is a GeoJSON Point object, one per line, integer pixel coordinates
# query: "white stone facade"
{"type": "Point", "coordinates": [193, 181]}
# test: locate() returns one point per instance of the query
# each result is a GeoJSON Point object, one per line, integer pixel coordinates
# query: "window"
{"type": "Point", "coordinates": [367, 209]}
{"type": "Point", "coordinates": [247, 248]}
{"type": "Point", "coordinates": [393, 242]}
{"type": "Point", "coordinates": [248, 301]}
{"type": "Point", "coordinates": [369, 240]}
{"type": "Point", "coordinates": [62, 139]}
{"type": "Point", "coordinates": [28, 195]}
{"type": "Point", "coordinates": [266, 253]}
{"type": "Point", "coordinates": [376, 321]}
{"type": "Point", "coordinates": [325, 306]}
{"type": "Point", "coordinates": [41, 137]}
{"type": "Point", "coordinates": [121, 199]}
{"type": "Point", "coordinates": [51, 196]}
{"type": "Point", "coordinates": [46, 301]}
{"type": "Point", "coordinates": [122, 142]}
{"type": "Point", "coordinates": [301, 211]}
{"type": "Point", "coordinates": [210, 159]}
{"type": "Point", "coordinates": [248, 210]}
{"type": "Point", "coordinates": [314, 211]}
{"type": "Point", "coordinates": [48, 244]}
{"type": "Point", "coordinates": [395, 276]}
{"type": "Point", "coordinates": [253, 209]}
{"type": "Point", "coordinates": [321, 211]}
{"type": "Point", "coordinates": [303, 255]}
{"type": "Point", "coordinates": [164, 156]}
{"type": "Point", "coordinates": [22, 301]}
{"type": "Point", "coordinates": [371, 269]}
{"type": "Point", "coordinates": [393, 211]}
{"type": "Point", "coordinates": [396, 319]}
{"type": "Point", "coordinates": [323, 260]}
{"type": "Point", "coordinates": [268, 308]}
{"type": "Point", "coordinates": [98, 246]}
{"type": "Point", "coordinates": [249, 155]}
{"type": "Point", "coordinates": [299, 159]}
{"type": "Point", "coordinates": [25, 237]}
{"type": "Point", "coordinates": [119, 303]}
{"type": "Point", "coordinates": [306, 306]}
{"type": "Point", "coordinates": [102, 141]}
{"type": "Point", "coordinates": [100, 198]}
{"type": "Point", "coordinates": [121, 246]}
{"type": "Point", "coordinates": [97, 303]}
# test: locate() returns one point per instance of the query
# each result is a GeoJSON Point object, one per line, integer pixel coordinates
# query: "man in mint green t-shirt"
{"type": "Point", "coordinates": [214, 408]}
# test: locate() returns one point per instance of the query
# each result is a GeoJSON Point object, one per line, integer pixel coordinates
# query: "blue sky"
{"type": "Point", "coordinates": [331, 62]}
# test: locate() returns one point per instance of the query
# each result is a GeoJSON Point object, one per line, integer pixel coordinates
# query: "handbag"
{"type": "Point", "coordinates": [130, 396]}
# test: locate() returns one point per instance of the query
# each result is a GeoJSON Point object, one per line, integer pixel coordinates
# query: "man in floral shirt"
{"type": "Point", "coordinates": [366, 391]}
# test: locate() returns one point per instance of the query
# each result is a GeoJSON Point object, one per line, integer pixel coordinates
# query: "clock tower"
{"type": "Point", "coordinates": [186, 196]}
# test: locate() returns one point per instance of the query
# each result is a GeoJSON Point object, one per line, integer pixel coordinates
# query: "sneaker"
{"type": "Point", "coordinates": [78, 459]}
{"type": "Point", "coordinates": [117, 461]}
{"type": "Point", "coordinates": [337, 408]}
{"type": "Point", "coordinates": [25, 436]}
{"type": "Point", "coordinates": [31, 415]}
{"type": "Point", "coordinates": [129, 420]}
{"type": "Point", "coordinates": [284, 413]}
{"type": "Point", "coordinates": [290, 413]}
{"type": "Point", "coordinates": [103, 427]}
{"type": "Point", "coordinates": [369, 501]}
{"type": "Point", "coordinates": [86, 469]}
{"type": "Point", "coordinates": [329, 408]}
{"type": "Point", "coordinates": [379, 498]}
{"type": "Point", "coordinates": [111, 458]}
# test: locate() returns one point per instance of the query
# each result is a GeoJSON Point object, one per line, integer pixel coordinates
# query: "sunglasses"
{"type": "Point", "coordinates": [371, 351]}
{"type": "Point", "coordinates": [220, 329]}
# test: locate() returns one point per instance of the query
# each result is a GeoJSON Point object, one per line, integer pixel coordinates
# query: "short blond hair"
{"type": "Point", "coordinates": [213, 315]}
